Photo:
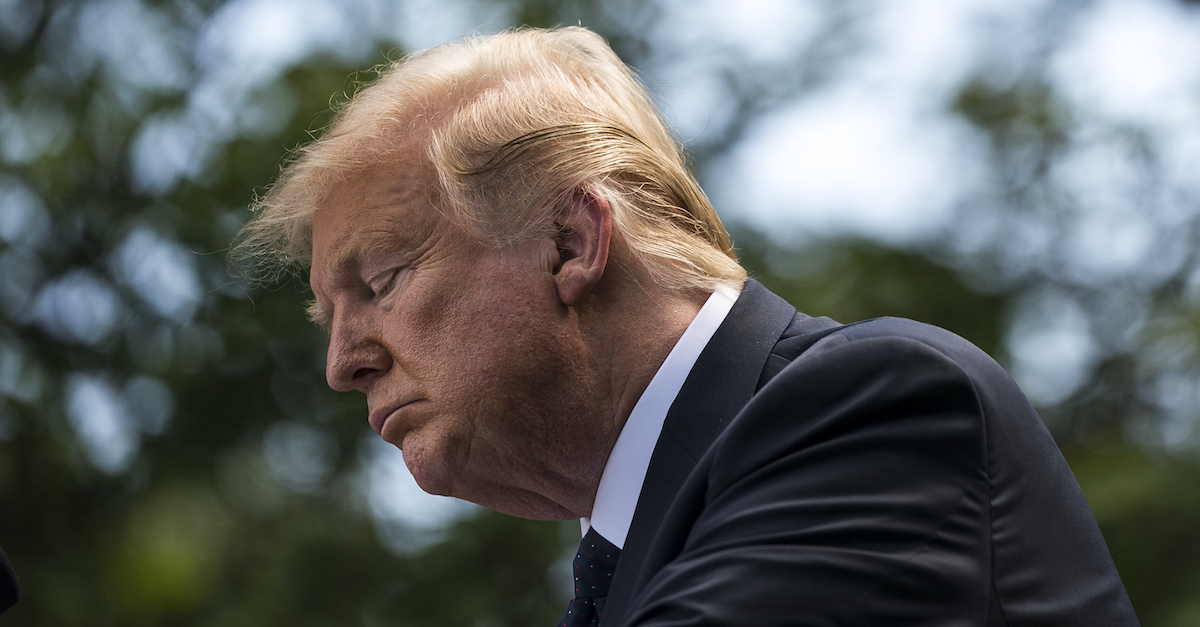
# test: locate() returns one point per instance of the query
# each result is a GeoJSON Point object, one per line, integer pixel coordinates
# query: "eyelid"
{"type": "Point", "coordinates": [383, 282]}
{"type": "Point", "coordinates": [380, 269]}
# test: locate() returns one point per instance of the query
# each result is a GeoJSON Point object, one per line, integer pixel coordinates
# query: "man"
{"type": "Point", "coordinates": [546, 315]}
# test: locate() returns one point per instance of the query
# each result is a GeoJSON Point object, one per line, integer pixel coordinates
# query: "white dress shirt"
{"type": "Point", "coordinates": [621, 483]}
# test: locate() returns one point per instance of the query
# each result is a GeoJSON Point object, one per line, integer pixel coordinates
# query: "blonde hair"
{"type": "Point", "coordinates": [512, 126]}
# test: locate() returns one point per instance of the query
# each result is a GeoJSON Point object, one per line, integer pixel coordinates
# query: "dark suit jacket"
{"type": "Point", "coordinates": [880, 473]}
{"type": "Point", "coordinates": [8, 584]}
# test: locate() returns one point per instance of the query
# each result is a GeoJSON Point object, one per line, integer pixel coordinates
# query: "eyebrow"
{"type": "Point", "coordinates": [390, 233]}
{"type": "Point", "coordinates": [317, 314]}
{"type": "Point", "coordinates": [388, 236]}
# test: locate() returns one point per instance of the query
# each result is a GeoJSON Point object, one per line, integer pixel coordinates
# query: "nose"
{"type": "Point", "coordinates": [354, 360]}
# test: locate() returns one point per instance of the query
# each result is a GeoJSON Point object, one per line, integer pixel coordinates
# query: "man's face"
{"type": "Point", "coordinates": [470, 363]}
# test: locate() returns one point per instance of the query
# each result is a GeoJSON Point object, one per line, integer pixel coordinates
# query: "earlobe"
{"type": "Point", "coordinates": [583, 231]}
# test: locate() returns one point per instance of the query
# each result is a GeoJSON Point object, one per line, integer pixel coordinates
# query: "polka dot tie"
{"type": "Point", "coordinates": [594, 566]}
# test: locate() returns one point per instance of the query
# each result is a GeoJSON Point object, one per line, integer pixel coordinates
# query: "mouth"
{"type": "Point", "coordinates": [378, 418]}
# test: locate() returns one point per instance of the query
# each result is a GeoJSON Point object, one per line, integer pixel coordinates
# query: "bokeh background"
{"type": "Point", "coordinates": [1025, 173]}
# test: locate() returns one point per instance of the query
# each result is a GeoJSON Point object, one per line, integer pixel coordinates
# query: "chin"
{"type": "Point", "coordinates": [431, 471]}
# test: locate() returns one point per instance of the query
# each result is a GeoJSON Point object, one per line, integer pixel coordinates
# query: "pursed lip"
{"type": "Point", "coordinates": [378, 417]}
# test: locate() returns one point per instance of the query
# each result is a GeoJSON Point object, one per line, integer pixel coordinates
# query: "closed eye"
{"type": "Point", "coordinates": [385, 283]}
{"type": "Point", "coordinates": [382, 284]}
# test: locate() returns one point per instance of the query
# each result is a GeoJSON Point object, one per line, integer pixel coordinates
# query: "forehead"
{"type": "Point", "coordinates": [384, 205]}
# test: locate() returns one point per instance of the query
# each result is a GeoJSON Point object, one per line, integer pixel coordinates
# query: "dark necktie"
{"type": "Point", "coordinates": [594, 566]}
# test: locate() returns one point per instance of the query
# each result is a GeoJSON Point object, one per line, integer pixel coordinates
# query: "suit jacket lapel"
{"type": "Point", "coordinates": [719, 385]}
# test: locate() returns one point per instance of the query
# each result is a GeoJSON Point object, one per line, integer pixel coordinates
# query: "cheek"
{"type": "Point", "coordinates": [483, 334]}
{"type": "Point", "coordinates": [430, 320]}
{"type": "Point", "coordinates": [507, 356]}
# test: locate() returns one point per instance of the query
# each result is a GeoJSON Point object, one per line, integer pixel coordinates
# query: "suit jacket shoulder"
{"type": "Point", "coordinates": [881, 472]}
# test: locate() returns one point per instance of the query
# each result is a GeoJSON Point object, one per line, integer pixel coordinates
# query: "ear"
{"type": "Point", "coordinates": [584, 229]}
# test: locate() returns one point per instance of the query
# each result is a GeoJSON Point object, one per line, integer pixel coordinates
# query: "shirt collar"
{"type": "Point", "coordinates": [625, 471]}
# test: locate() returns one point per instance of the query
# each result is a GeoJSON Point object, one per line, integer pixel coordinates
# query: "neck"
{"type": "Point", "coordinates": [640, 343]}
{"type": "Point", "coordinates": [629, 333]}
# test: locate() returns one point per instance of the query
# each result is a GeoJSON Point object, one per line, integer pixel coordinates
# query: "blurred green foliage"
{"type": "Point", "coordinates": [141, 480]}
